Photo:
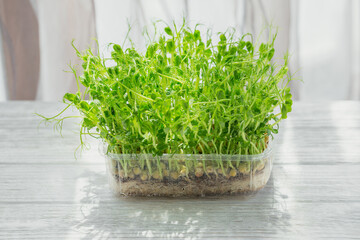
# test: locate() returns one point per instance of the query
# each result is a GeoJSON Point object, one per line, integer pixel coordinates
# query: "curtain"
{"type": "Point", "coordinates": [322, 37]}
{"type": "Point", "coordinates": [326, 49]}
{"type": "Point", "coordinates": [60, 22]}
{"type": "Point", "coordinates": [20, 40]}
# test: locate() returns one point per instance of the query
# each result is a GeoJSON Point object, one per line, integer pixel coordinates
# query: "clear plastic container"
{"type": "Point", "coordinates": [188, 175]}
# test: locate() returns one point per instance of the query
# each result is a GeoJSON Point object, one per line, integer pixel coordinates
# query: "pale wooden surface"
{"type": "Point", "coordinates": [314, 191]}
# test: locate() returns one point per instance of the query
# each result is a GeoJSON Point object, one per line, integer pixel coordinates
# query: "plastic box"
{"type": "Point", "coordinates": [188, 175]}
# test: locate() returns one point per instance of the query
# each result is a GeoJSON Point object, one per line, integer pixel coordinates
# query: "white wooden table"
{"type": "Point", "coordinates": [314, 191]}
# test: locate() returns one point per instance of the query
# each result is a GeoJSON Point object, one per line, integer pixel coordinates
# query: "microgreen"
{"type": "Point", "coordinates": [185, 94]}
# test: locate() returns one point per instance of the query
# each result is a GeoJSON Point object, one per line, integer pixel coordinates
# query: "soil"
{"type": "Point", "coordinates": [192, 186]}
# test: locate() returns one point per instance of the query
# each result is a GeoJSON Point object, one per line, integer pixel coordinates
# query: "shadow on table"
{"type": "Point", "coordinates": [102, 215]}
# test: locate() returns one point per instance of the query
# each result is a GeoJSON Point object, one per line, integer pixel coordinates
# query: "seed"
{"type": "Point", "coordinates": [199, 164]}
{"type": "Point", "coordinates": [174, 175]}
{"type": "Point", "coordinates": [233, 173]}
{"type": "Point", "coordinates": [199, 172]}
{"type": "Point", "coordinates": [131, 175]}
{"type": "Point", "coordinates": [121, 173]}
{"type": "Point", "coordinates": [144, 176]}
{"type": "Point", "coordinates": [260, 166]}
{"type": "Point", "coordinates": [166, 173]}
{"type": "Point", "coordinates": [183, 172]}
{"type": "Point", "coordinates": [223, 172]}
{"type": "Point", "coordinates": [209, 169]}
{"type": "Point", "coordinates": [137, 171]}
{"type": "Point", "coordinates": [244, 167]}
{"type": "Point", "coordinates": [156, 175]}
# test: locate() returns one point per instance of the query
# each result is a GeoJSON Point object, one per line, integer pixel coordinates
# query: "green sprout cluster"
{"type": "Point", "coordinates": [185, 95]}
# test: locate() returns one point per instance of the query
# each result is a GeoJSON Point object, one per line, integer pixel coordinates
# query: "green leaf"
{"type": "Point", "coordinates": [170, 47]}
{"type": "Point", "coordinates": [201, 46]}
{"type": "Point", "coordinates": [222, 38]}
{"type": "Point", "coordinates": [249, 46]}
{"type": "Point", "coordinates": [208, 52]}
{"type": "Point", "coordinates": [283, 112]}
{"type": "Point", "coordinates": [263, 48]}
{"type": "Point", "coordinates": [150, 51]}
{"type": "Point", "coordinates": [118, 49]}
{"type": "Point", "coordinates": [274, 130]}
{"type": "Point", "coordinates": [88, 123]}
{"type": "Point", "coordinates": [271, 54]}
{"type": "Point", "coordinates": [185, 104]}
{"type": "Point", "coordinates": [197, 35]}
{"type": "Point", "coordinates": [70, 97]}
{"type": "Point", "coordinates": [188, 37]}
{"type": "Point", "coordinates": [84, 106]}
{"type": "Point", "coordinates": [168, 31]}
{"type": "Point", "coordinates": [177, 60]}
{"type": "Point", "coordinates": [85, 81]}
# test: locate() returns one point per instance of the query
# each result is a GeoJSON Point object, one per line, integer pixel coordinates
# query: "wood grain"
{"type": "Point", "coordinates": [313, 192]}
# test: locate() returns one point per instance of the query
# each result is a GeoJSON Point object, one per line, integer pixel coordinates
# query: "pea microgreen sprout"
{"type": "Point", "coordinates": [184, 95]}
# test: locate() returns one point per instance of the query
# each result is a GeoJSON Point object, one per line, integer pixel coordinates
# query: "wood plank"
{"type": "Point", "coordinates": [181, 219]}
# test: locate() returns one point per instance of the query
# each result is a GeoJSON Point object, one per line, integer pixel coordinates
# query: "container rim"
{"type": "Point", "coordinates": [266, 153]}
